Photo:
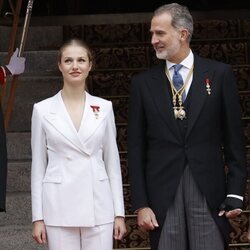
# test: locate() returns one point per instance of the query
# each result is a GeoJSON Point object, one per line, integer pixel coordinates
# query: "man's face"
{"type": "Point", "coordinates": [166, 40]}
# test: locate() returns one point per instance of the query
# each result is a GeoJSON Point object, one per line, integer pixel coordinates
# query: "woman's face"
{"type": "Point", "coordinates": [74, 64]}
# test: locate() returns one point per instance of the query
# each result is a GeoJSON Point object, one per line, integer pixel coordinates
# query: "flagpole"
{"type": "Point", "coordinates": [25, 27]}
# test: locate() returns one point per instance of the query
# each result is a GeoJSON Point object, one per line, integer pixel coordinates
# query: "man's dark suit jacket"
{"type": "Point", "coordinates": [158, 154]}
{"type": "Point", "coordinates": [3, 163]}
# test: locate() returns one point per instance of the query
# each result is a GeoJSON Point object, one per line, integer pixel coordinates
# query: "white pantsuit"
{"type": "Point", "coordinates": [76, 175]}
{"type": "Point", "coordinates": [87, 238]}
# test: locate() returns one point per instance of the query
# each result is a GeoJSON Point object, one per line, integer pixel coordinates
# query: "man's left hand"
{"type": "Point", "coordinates": [231, 214]}
{"type": "Point", "coordinates": [231, 207]}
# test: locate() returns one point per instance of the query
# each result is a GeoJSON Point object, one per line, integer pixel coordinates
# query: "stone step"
{"type": "Point", "coordinates": [36, 88]}
{"type": "Point", "coordinates": [38, 38]}
{"type": "Point", "coordinates": [18, 207]}
{"type": "Point", "coordinates": [18, 237]}
{"type": "Point", "coordinates": [18, 176]}
{"type": "Point", "coordinates": [18, 146]}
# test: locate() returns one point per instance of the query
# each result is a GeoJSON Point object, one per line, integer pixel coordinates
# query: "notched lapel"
{"type": "Point", "coordinates": [159, 90]}
{"type": "Point", "coordinates": [199, 93]}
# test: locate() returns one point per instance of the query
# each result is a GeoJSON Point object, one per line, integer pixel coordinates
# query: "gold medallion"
{"type": "Point", "coordinates": [179, 113]}
{"type": "Point", "coordinates": [179, 110]}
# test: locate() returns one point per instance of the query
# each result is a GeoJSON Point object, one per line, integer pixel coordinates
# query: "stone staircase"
{"type": "Point", "coordinates": [121, 49]}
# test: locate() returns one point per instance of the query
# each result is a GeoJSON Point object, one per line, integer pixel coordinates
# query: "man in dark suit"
{"type": "Point", "coordinates": [184, 127]}
{"type": "Point", "coordinates": [15, 67]}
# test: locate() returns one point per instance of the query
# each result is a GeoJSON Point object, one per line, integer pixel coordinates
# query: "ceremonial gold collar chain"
{"type": "Point", "coordinates": [179, 110]}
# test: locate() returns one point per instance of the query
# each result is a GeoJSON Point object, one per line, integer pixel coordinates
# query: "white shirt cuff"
{"type": "Point", "coordinates": [235, 196]}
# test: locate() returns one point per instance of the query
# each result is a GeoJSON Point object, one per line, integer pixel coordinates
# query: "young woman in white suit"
{"type": "Point", "coordinates": [76, 184]}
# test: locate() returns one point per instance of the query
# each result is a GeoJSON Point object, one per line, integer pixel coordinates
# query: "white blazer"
{"type": "Point", "coordinates": [76, 176]}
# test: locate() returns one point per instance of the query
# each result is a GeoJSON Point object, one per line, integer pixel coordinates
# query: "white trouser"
{"type": "Point", "coordinates": [80, 238]}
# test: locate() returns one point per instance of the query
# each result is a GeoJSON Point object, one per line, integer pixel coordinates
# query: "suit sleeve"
{"type": "Point", "coordinates": [39, 163]}
{"type": "Point", "coordinates": [234, 142]}
{"type": "Point", "coordinates": [112, 164]}
{"type": "Point", "coordinates": [137, 146]}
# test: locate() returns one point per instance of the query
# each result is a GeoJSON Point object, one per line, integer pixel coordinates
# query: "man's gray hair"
{"type": "Point", "coordinates": [181, 17]}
